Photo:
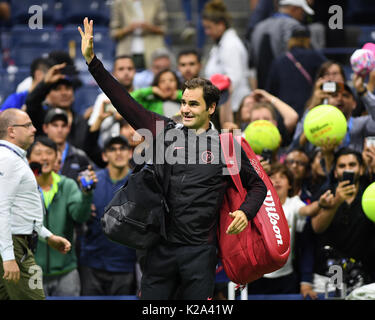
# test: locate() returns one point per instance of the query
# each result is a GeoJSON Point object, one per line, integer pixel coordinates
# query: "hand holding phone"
{"type": "Point", "coordinates": [348, 176]}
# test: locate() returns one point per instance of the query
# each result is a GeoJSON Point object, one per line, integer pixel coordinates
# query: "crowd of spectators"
{"type": "Point", "coordinates": [274, 73]}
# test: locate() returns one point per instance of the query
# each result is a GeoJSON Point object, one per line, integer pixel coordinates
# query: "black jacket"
{"type": "Point", "coordinates": [196, 187]}
{"type": "Point", "coordinates": [37, 111]}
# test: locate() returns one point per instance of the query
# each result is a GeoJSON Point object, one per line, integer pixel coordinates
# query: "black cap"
{"type": "Point", "coordinates": [55, 114]}
{"type": "Point", "coordinates": [116, 140]}
{"type": "Point", "coordinates": [300, 31]}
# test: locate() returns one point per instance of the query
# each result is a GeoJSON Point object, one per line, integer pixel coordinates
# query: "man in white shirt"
{"type": "Point", "coordinates": [21, 211]}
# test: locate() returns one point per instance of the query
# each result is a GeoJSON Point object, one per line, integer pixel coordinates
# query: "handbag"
{"type": "Point", "coordinates": [264, 245]}
{"type": "Point", "coordinates": [135, 217]}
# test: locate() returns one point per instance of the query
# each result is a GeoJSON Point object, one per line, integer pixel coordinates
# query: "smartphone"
{"type": "Point", "coordinates": [348, 175]}
{"type": "Point", "coordinates": [370, 141]}
{"type": "Point", "coordinates": [267, 155]}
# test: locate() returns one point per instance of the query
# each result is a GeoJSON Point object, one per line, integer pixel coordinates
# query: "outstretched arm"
{"type": "Point", "coordinates": [137, 116]}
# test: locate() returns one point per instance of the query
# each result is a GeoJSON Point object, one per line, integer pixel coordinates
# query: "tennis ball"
{"type": "Point", "coordinates": [262, 134]}
{"type": "Point", "coordinates": [322, 122]}
{"type": "Point", "coordinates": [368, 202]}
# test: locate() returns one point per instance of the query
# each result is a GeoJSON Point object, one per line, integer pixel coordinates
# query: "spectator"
{"type": "Point", "coordinates": [138, 27]}
{"type": "Point", "coordinates": [260, 10]}
{"type": "Point", "coordinates": [57, 91]}
{"type": "Point", "coordinates": [190, 29]}
{"type": "Point", "coordinates": [283, 115]}
{"type": "Point", "coordinates": [21, 212]}
{"type": "Point", "coordinates": [73, 160]}
{"type": "Point", "coordinates": [107, 268]}
{"type": "Point", "coordinates": [38, 69]}
{"type": "Point", "coordinates": [291, 75]}
{"type": "Point", "coordinates": [64, 203]}
{"type": "Point", "coordinates": [163, 96]}
{"type": "Point", "coordinates": [228, 56]}
{"type": "Point", "coordinates": [188, 64]}
{"type": "Point", "coordinates": [297, 161]}
{"type": "Point", "coordinates": [124, 72]}
{"type": "Point", "coordinates": [284, 280]}
{"type": "Point", "coordinates": [358, 127]}
{"type": "Point", "coordinates": [270, 37]}
{"type": "Point", "coordinates": [342, 224]}
{"type": "Point", "coordinates": [161, 59]}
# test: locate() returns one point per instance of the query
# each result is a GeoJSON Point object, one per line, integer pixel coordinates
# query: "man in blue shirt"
{"type": "Point", "coordinates": [38, 69]}
{"type": "Point", "coordinates": [107, 268]}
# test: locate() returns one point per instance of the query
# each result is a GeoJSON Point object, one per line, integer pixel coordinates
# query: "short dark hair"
{"type": "Point", "coordinates": [211, 93]}
{"type": "Point", "coordinates": [123, 56]}
{"type": "Point", "coordinates": [44, 141]}
{"type": "Point", "coordinates": [346, 151]}
{"type": "Point", "coordinates": [186, 52]}
{"type": "Point", "coordinates": [156, 80]}
{"type": "Point", "coordinates": [283, 169]}
{"type": "Point", "coordinates": [40, 64]}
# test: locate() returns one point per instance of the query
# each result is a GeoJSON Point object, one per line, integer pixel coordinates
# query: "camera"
{"type": "Point", "coordinates": [87, 184]}
{"type": "Point", "coordinates": [332, 87]}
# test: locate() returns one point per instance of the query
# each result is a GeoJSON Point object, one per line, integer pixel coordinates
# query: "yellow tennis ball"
{"type": "Point", "coordinates": [368, 202]}
{"type": "Point", "coordinates": [262, 134]}
{"type": "Point", "coordinates": [325, 121]}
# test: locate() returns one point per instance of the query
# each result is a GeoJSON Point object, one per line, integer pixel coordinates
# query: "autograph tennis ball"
{"type": "Point", "coordinates": [262, 134]}
{"type": "Point", "coordinates": [325, 121]}
{"type": "Point", "coordinates": [368, 202]}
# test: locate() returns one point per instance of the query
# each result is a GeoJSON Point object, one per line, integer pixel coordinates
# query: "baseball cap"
{"type": "Point", "coordinates": [55, 114]}
{"type": "Point", "coordinates": [222, 82]}
{"type": "Point", "coordinates": [116, 140]}
{"type": "Point", "coordinates": [297, 3]}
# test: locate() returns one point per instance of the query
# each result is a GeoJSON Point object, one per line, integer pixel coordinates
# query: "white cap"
{"type": "Point", "coordinates": [297, 3]}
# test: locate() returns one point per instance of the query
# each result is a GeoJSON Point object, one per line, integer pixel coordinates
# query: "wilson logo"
{"type": "Point", "coordinates": [273, 216]}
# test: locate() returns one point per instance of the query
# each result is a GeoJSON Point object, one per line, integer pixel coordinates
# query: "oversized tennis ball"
{"type": "Point", "coordinates": [262, 134]}
{"type": "Point", "coordinates": [322, 122]}
{"type": "Point", "coordinates": [368, 202]}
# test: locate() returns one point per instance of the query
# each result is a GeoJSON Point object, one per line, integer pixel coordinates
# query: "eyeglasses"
{"type": "Point", "coordinates": [297, 162]}
{"type": "Point", "coordinates": [26, 125]}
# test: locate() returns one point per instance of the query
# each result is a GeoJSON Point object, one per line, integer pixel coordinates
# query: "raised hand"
{"type": "Point", "coordinates": [87, 43]}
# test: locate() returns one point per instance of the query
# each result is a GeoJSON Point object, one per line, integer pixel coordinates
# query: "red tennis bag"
{"type": "Point", "coordinates": [264, 245]}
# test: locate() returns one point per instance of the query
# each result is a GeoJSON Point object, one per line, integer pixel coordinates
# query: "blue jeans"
{"type": "Point", "coordinates": [188, 10]}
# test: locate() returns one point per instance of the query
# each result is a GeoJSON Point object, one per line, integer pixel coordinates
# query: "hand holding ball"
{"type": "Point", "coordinates": [262, 134]}
{"type": "Point", "coordinates": [322, 122]}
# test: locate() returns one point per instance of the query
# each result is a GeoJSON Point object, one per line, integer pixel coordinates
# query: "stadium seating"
{"type": "Point", "coordinates": [21, 15]}
{"type": "Point", "coordinates": [75, 11]}
{"type": "Point", "coordinates": [25, 56]}
{"type": "Point", "coordinates": [22, 36]}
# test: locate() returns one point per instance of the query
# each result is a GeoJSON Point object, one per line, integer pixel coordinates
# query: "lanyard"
{"type": "Point", "coordinates": [346, 141]}
{"type": "Point", "coordinates": [4, 145]}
